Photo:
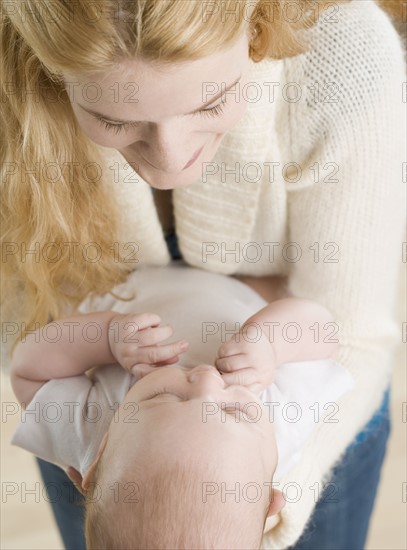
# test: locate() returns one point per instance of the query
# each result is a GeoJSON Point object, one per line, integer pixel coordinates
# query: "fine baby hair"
{"type": "Point", "coordinates": [166, 511]}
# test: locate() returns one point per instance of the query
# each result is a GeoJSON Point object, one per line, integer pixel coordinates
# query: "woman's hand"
{"type": "Point", "coordinates": [247, 359]}
{"type": "Point", "coordinates": [134, 339]}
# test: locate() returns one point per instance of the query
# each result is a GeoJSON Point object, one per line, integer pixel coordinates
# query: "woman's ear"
{"type": "Point", "coordinates": [87, 478]}
{"type": "Point", "coordinates": [277, 502]}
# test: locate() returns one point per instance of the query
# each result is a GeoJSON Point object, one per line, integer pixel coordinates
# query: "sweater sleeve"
{"type": "Point", "coordinates": [347, 213]}
{"type": "Point", "coordinates": [346, 217]}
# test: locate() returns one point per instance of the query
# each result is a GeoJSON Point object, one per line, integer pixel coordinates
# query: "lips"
{"type": "Point", "coordinates": [193, 159]}
{"type": "Point", "coordinates": [206, 369]}
{"type": "Point", "coordinates": [188, 164]}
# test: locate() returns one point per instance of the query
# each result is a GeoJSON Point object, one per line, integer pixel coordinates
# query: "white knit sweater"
{"type": "Point", "coordinates": [345, 215]}
{"type": "Point", "coordinates": [346, 222]}
{"type": "Point", "coordinates": [335, 130]}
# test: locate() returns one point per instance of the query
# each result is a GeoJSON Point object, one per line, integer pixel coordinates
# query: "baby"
{"type": "Point", "coordinates": [173, 446]}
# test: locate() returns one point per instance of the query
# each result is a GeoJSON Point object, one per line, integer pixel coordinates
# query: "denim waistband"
{"type": "Point", "coordinates": [172, 244]}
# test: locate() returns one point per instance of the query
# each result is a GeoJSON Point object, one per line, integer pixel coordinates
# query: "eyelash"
{"type": "Point", "coordinates": [212, 112]}
{"type": "Point", "coordinates": [233, 411]}
{"type": "Point", "coordinates": [164, 390]}
{"type": "Point", "coordinates": [226, 409]}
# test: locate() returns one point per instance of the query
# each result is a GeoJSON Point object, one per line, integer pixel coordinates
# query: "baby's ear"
{"type": "Point", "coordinates": [87, 478]}
{"type": "Point", "coordinates": [277, 502]}
{"type": "Point", "coordinates": [75, 477]}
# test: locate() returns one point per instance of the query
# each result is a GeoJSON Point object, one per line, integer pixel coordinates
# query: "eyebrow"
{"type": "Point", "coordinates": [120, 121]}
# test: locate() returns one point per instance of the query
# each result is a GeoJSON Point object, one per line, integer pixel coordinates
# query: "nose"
{"type": "Point", "coordinates": [205, 379]}
{"type": "Point", "coordinates": [204, 368]}
{"type": "Point", "coordinates": [167, 146]}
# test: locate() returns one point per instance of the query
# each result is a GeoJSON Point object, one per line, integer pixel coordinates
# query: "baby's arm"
{"type": "Point", "coordinates": [287, 330]}
{"type": "Point", "coordinates": [298, 330]}
{"type": "Point", "coordinates": [110, 337]}
{"type": "Point", "coordinates": [38, 359]}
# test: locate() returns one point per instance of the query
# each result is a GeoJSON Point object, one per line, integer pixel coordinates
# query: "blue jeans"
{"type": "Point", "coordinates": [341, 516]}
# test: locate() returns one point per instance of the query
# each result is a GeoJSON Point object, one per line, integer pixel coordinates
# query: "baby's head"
{"type": "Point", "coordinates": [187, 463]}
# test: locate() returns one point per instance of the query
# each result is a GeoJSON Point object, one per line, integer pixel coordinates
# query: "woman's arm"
{"type": "Point", "coordinates": [347, 215]}
{"type": "Point", "coordinates": [347, 212]}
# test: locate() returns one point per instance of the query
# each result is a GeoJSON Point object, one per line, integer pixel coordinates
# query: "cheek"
{"type": "Point", "coordinates": [99, 135]}
{"type": "Point", "coordinates": [233, 113]}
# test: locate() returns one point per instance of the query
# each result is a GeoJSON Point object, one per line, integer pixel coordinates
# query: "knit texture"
{"type": "Point", "coordinates": [344, 215]}
{"type": "Point", "coordinates": [335, 129]}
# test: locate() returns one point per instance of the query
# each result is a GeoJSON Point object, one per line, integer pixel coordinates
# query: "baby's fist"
{"type": "Point", "coordinates": [134, 340]}
{"type": "Point", "coordinates": [246, 362]}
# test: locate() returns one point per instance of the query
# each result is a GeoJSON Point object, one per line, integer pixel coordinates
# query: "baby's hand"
{"type": "Point", "coordinates": [134, 339]}
{"type": "Point", "coordinates": [247, 360]}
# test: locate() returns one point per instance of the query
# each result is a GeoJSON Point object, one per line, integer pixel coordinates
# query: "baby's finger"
{"type": "Point", "coordinates": [229, 348]}
{"type": "Point", "coordinates": [170, 361]}
{"type": "Point", "coordinates": [152, 336]}
{"type": "Point", "coordinates": [242, 377]}
{"type": "Point", "coordinates": [143, 320]}
{"type": "Point", "coordinates": [232, 363]}
{"type": "Point", "coordinates": [155, 354]}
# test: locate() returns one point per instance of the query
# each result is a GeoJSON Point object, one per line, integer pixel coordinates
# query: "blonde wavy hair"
{"type": "Point", "coordinates": [54, 194]}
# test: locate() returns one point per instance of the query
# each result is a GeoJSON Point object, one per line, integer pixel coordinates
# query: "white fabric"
{"type": "Point", "coordinates": [66, 420]}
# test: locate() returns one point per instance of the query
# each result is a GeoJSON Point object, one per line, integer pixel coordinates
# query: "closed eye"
{"type": "Point", "coordinates": [164, 391]}
{"type": "Point", "coordinates": [230, 408]}
{"type": "Point", "coordinates": [215, 111]}
{"type": "Point", "coordinates": [233, 409]}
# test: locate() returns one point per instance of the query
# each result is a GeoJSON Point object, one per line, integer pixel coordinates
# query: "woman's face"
{"type": "Point", "coordinates": [167, 121]}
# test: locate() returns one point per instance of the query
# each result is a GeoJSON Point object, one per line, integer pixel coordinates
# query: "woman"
{"type": "Point", "coordinates": [274, 131]}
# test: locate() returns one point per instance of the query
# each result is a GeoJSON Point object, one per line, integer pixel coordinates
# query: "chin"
{"type": "Point", "coordinates": [193, 174]}
{"type": "Point", "coordinates": [166, 182]}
